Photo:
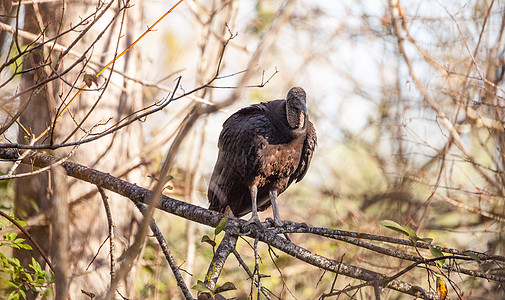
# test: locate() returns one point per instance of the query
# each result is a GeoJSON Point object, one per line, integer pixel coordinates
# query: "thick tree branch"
{"type": "Point", "coordinates": [207, 217]}
{"type": "Point", "coordinates": [111, 224]}
{"type": "Point", "coordinates": [226, 247]}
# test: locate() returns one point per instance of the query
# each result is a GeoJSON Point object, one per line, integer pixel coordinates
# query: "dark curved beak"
{"type": "Point", "coordinates": [302, 107]}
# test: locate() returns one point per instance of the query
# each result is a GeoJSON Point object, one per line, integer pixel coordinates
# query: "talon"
{"type": "Point", "coordinates": [275, 223]}
{"type": "Point", "coordinates": [304, 225]}
{"type": "Point", "coordinates": [278, 222]}
{"type": "Point", "coordinates": [269, 222]}
{"type": "Point", "coordinates": [244, 230]}
{"type": "Point", "coordinates": [255, 220]}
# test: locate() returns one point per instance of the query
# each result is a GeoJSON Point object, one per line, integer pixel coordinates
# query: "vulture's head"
{"type": "Point", "coordinates": [296, 109]}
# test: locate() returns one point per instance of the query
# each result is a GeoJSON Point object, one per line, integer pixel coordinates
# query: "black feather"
{"type": "Point", "coordinates": [258, 147]}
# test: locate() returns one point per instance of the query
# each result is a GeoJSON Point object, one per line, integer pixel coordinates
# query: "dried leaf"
{"type": "Point", "coordinates": [89, 294]}
{"type": "Point", "coordinates": [441, 288]}
{"type": "Point", "coordinates": [89, 79]}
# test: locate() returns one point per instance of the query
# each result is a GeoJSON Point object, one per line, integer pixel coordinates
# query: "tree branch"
{"type": "Point", "coordinates": [209, 218]}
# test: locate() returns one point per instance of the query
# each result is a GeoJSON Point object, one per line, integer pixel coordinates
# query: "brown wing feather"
{"type": "Point", "coordinates": [237, 145]}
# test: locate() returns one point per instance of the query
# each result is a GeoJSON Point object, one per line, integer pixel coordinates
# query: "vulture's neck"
{"type": "Point", "coordinates": [295, 117]}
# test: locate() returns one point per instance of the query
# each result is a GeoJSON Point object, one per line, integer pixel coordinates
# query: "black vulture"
{"type": "Point", "coordinates": [263, 148]}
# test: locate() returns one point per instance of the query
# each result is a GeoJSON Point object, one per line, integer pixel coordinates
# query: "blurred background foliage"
{"type": "Point", "coordinates": [381, 146]}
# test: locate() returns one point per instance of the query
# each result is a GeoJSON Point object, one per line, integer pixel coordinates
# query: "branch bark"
{"type": "Point", "coordinates": [210, 218]}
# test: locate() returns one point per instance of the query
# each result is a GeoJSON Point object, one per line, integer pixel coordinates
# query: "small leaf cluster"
{"type": "Point", "coordinates": [22, 280]}
{"type": "Point", "coordinates": [203, 291]}
{"type": "Point", "coordinates": [441, 285]}
{"type": "Point", "coordinates": [215, 294]}
{"type": "Point", "coordinates": [404, 229]}
{"type": "Point", "coordinates": [212, 241]}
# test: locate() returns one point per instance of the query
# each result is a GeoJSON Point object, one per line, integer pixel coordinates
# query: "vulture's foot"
{"type": "Point", "coordinates": [275, 222]}
{"type": "Point", "coordinates": [303, 225]}
{"type": "Point", "coordinates": [255, 220]}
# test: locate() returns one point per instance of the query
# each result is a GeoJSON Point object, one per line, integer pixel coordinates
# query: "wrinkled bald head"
{"type": "Point", "coordinates": [296, 93]}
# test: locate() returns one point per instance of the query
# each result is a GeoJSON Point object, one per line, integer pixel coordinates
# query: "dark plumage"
{"type": "Point", "coordinates": [263, 148]}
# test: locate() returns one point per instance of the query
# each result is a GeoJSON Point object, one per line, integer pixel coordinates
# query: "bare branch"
{"type": "Point", "coordinates": [211, 218]}
{"type": "Point", "coordinates": [111, 233]}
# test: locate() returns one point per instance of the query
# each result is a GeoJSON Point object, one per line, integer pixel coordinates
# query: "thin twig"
{"type": "Point", "coordinates": [111, 226]}
{"type": "Point", "coordinates": [256, 268]}
{"type": "Point", "coordinates": [242, 263]}
{"type": "Point", "coordinates": [168, 255]}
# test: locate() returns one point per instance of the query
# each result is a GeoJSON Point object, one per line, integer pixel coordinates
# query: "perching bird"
{"type": "Point", "coordinates": [263, 148]}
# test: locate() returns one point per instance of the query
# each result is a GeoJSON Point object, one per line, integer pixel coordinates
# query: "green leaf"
{"type": "Point", "coordinates": [403, 229]}
{"type": "Point", "coordinates": [12, 284]}
{"type": "Point", "coordinates": [22, 294]}
{"type": "Point", "coordinates": [35, 266]}
{"type": "Point", "coordinates": [14, 261]}
{"type": "Point", "coordinates": [10, 236]}
{"type": "Point", "coordinates": [48, 292]}
{"type": "Point", "coordinates": [472, 256]}
{"type": "Point", "coordinates": [220, 226]}
{"type": "Point", "coordinates": [228, 286]}
{"type": "Point", "coordinates": [482, 265]}
{"type": "Point", "coordinates": [210, 272]}
{"type": "Point", "coordinates": [427, 240]}
{"type": "Point", "coordinates": [393, 226]}
{"type": "Point", "coordinates": [207, 239]}
{"type": "Point", "coordinates": [411, 233]}
{"type": "Point", "coordinates": [200, 286]}
{"type": "Point", "coordinates": [437, 253]}
{"type": "Point", "coordinates": [26, 247]}
{"type": "Point", "coordinates": [13, 296]}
